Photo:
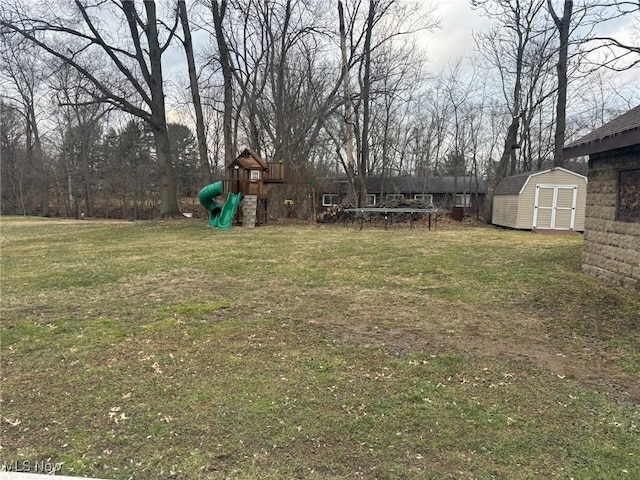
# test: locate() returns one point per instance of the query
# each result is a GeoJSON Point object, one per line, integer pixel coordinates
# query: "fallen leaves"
{"type": "Point", "coordinates": [166, 418]}
{"type": "Point", "coordinates": [13, 423]}
{"type": "Point", "coordinates": [116, 415]}
{"type": "Point", "coordinates": [156, 367]}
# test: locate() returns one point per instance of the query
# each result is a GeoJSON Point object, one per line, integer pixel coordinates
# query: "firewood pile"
{"type": "Point", "coordinates": [446, 220]}
{"type": "Point", "coordinates": [334, 213]}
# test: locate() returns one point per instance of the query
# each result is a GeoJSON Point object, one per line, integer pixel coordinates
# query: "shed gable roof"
{"type": "Point", "coordinates": [512, 185]}
{"type": "Point", "coordinates": [622, 131]}
{"type": "Point", "coordinates": [515, 184]}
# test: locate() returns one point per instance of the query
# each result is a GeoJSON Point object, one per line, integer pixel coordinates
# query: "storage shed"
{"type": "Point", "coordinates": [553, 199]}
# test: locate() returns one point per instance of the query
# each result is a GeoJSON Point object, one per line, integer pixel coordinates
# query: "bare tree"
{"type": "Point", "coordinates": [386, 23]}
{"type": "Point", "coordinates": [366, 87]}
{"type": "Point", "coordinates": [187, 42]}
{"type": "Point", "coordinates": [80, 128]}
{"type": "Point", "coordinates": [287, 87]}
{"type": "Point", "coordinates": [601, 99]}
{"type": "Point", "coordinates": [24, 72]}
{"type": "Point", "coordinates": [563, 24]}
{"type": "Point", "coordinates": [609, 51]}
{"type": "Point", "coordinates": [537, 89]}
{"type": "Point", "coordinates": [349, 120]}
{"type": "Point", "coordinates": [133, 81]}
{"type": "Point", "coordinates": [283, 87]}
{"type": "Point", "coordinates": [218, 11]}
{"type": "Point", "coordinates": [520, 23]}
{"type": "Point", "coordinates": [14, 168]}
{"type": "Point", "coordinates": [396, 75]}
{"type": "Point", "coordinates": [439, 110]}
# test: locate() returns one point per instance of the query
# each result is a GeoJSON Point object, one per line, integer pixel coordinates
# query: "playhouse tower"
{"type": "Point", "coordinates": [250, 175]}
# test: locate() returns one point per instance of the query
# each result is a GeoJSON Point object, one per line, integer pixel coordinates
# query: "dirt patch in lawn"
{"type": "Point", "coordinates": [484, 333]}
{"type": "Point", "coordinates": [590, 366]}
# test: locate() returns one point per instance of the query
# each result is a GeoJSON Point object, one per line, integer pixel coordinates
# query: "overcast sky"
{"type": "Point", "coordinates": [454, 37]}
{"type": "Point", "coordinates": [458, 21]}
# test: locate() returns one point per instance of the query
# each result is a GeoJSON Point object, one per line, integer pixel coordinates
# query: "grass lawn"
{"type": "Point", "coordinates": [171, 350]}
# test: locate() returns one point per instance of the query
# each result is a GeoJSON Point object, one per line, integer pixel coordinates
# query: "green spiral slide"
{"type": "Point", "coordinates": [220, 215]}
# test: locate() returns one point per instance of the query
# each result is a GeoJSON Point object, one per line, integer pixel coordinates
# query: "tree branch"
{"type": "Point", "coordinates": [116, 100]}
{"type": "Point", "coordinates": [111, 53]}
{"type": "Point", "coordinates": [133, 19]}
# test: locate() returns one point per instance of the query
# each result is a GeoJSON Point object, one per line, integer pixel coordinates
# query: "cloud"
{"type": "Point", "coordinates": [454, 38]}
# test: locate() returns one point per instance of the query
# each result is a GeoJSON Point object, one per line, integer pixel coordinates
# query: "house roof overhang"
{"type": "Point", "coordinates": [621, 132]}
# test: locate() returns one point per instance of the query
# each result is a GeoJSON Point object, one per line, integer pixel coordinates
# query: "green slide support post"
{"type": "Point", "coordinates": [220, 215]}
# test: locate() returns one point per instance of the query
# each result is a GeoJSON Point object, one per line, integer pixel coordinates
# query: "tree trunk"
{"type": "Point", "coordinates": [563, 25]}
{"type": "Point", "coordinates": [508, 158]}
{"type": "Point", "coordinates": [168, 194]}
{"type": "Point", "coordinates": [348, 107]}
{"type": "Point", "coordinates": [87, 181]}
{"type": "Point", "coordinates": [218, 12]}
{"type": "Point", "coordinates": [366, 88]}
{"type": "Point", "coordinates": [205, 170]}
{"type": "Point", "coordinates": [508, 153]}
{"type": "Point", "coordinates": [36, 156]}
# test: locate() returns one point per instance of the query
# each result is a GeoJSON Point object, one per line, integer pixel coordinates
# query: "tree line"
{"type": "Point", "coordinates": [122, 108]}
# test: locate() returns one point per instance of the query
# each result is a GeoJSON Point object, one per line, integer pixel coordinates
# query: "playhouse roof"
{"type": "Point", "coordinates": [249, 160]}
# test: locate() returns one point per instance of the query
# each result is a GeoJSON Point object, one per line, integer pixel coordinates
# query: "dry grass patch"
{"type": "Point", "coordinates": [170, 350]}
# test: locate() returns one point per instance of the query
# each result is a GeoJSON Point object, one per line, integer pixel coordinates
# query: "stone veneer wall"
{"type": "Point", "coordinates": [611, 248]}
{"type": "Point", "coordinates": [249, 208]}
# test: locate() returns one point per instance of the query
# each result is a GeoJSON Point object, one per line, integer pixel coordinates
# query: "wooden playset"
{"type": "Point", "coordinates": [247, 177]}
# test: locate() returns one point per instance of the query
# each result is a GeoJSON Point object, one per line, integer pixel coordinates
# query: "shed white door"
{"type": "Point", "coordinates": [555, 207]}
